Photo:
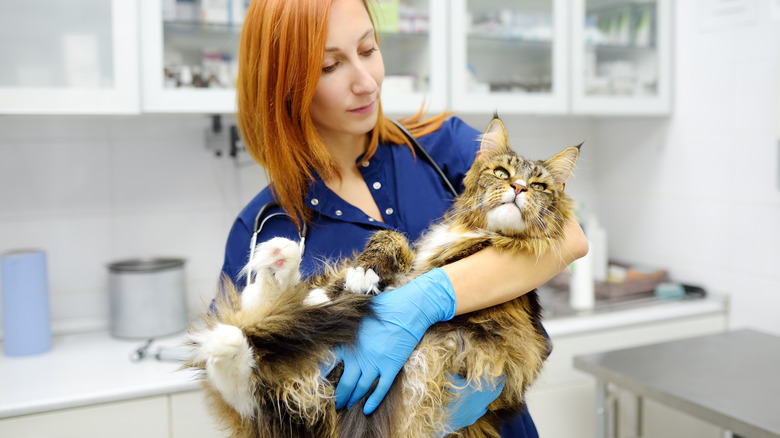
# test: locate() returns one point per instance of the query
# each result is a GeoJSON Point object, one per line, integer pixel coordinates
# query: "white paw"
{"type": "Point", "coordinates": [361, 281]}
{"type": "Point", "coordinates": [229, 364]}
{"type": "Point", "coordinates": [275, 266]}
{"type": "Point", "coordinates": [316, 297]}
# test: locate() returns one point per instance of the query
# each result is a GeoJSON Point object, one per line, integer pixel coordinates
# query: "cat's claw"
{"type": "Point", "coordinates": [361, 281]}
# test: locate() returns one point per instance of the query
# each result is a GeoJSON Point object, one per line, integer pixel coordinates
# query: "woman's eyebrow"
{"type": "Point", "coordinates": [336, 49]}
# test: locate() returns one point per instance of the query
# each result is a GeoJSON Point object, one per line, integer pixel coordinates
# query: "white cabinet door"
{"type": "Point", "coordinates": [187, 65]}
{"type": "Point", "coordinates": [191, 418]}
{"type": "Point", "coordinates": [412, 38]}
{"type": "Point", "coordinates": [509, 56]}
{"type": "Point", "coordinates": [621, 57]}
{"type": "Point", "coordinates": [147, 418]}
{"type": "Point", "coordinates": [74, 57]}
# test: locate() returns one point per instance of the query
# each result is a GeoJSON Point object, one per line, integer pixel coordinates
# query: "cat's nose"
{"type": "Point", "coordinates": [519, 187]}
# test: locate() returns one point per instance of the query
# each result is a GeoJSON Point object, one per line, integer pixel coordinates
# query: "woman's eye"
{"type": "Point", "coordinates": [329, 68]}
{"type": "Point", "coordinates": [501, 173]}
{"type": "Point", "coordinates": [539, 186]}
{"type": "Point", "coordinates": [369, 52]}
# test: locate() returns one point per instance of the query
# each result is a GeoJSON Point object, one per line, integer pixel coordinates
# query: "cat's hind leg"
{"type": "Point", "coordinates": [274, 268]}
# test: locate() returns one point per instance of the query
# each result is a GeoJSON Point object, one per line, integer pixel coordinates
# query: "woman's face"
{"type": "Point", "coordinates": [346, 100]}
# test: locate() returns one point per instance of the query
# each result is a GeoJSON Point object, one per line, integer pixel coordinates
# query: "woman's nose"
{"type": "Point", "coordinates": [363, 82]}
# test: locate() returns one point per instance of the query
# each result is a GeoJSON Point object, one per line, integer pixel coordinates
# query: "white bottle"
{"type": "Point", "coordinates": [582, 294]}
{"type": "Point", "coordinates": [597, 242]}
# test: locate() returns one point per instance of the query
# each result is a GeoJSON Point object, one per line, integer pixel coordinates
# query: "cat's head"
{"type": "Point", "coordinates": [510, 195]}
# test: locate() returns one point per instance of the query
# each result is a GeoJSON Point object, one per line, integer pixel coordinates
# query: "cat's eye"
{"type": "Point", "coordinates": [501, 173]}
{"type": "Point", "coordinates": [539, 186]}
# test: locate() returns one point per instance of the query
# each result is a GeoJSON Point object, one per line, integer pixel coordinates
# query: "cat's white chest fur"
{"type": "Point", "coordinates": [507, 216]}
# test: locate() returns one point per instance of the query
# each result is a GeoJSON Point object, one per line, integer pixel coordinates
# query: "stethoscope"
{"type": "Point", "coordinates": [303, 231]}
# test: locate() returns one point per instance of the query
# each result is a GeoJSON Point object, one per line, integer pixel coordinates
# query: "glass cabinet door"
{"type": "Point", "coordinates": [73, 57]}
{"type": "Point", "coordinates": [413, 42]}
{"type": "Point", "coordinates": [621, 55]}
{"type": "Point", "coordinates": [189, 55]}
{"type": "Point", "coordinates": [509, 56]}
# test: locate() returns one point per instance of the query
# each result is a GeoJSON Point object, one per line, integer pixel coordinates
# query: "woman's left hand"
{"type": "Point", "coordinates": [470, 402]}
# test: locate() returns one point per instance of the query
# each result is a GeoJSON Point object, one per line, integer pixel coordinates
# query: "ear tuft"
{"type": "Point", "coordinates": [494, 141]}
{"type": "Point", "coordinates": [562, 164]}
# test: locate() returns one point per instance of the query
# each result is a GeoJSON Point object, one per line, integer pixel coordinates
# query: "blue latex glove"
{"type": "Point", "coordinates": [471, 404]}
{"type": "Point", "coordinates": [385, 342]}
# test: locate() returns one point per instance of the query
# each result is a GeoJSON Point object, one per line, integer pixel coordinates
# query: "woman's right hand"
{"type": "Point", "coordinates": [385, 342]}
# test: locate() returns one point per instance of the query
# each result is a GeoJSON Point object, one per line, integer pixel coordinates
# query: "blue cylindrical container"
{"type": "Point", "coordinates": [25, 294]}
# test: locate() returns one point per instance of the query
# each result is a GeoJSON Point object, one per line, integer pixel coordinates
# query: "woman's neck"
{"type": "Point", "coordinates": [349, 183]}
{"type": "Point", "coordinates": [345, 151]}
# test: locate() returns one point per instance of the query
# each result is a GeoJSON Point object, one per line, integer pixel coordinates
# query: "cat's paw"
{"type": "Point", "coordinates": [361, 281]}
{"type": "Point", "coordinates": [316, 297]}
{"type": "Point", "coordinates": [229, 362]}
{"type": "Point", "coordinates": [278, 260]}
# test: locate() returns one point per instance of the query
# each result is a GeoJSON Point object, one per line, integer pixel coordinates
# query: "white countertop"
{"type": "Point", "coordinates": [86, 369]}
{"type": "Point", "coordinates": [604, 319]}
{"type": "Point", "coordinates": [90, 368]}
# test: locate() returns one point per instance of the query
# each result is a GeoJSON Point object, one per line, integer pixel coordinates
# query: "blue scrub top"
{"type": "Point", "coordinates": [409, 193]}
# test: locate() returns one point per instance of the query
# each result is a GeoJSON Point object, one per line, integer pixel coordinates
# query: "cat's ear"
{"type": "Point", "coordinates": [494, 141]}
{"type": "Point", "coordinates": [562, 165]}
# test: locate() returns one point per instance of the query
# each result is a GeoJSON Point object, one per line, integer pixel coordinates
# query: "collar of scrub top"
{"type": "Point", "coordinates": [262, 218]}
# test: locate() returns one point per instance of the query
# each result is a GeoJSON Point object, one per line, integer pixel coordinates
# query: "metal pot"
{"type": "Point", "coordinates": [147, 297]}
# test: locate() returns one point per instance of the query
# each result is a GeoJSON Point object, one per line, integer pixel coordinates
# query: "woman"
{"type": "Point", "coordinates": [310, 113]}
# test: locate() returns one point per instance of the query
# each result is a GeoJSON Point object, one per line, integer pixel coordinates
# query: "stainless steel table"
{"type": "Point", "coordinates": [729, 379]}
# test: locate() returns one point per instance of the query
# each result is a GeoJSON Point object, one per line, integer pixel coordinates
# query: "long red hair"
{"type": "Point", "coordinates": [281, 50]}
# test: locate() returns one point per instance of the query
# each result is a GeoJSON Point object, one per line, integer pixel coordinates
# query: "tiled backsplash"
{"type": "Point", "coordinates": [92, 190]}
{"type": "Point", "coordinates": [695, 193]}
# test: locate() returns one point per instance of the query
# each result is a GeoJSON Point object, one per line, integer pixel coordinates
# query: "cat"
{"type": "Point", "coordinates": [261, 352]}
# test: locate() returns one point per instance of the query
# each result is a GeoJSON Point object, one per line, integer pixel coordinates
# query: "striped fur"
{"type": "Point", "coordinates": [262, 356]}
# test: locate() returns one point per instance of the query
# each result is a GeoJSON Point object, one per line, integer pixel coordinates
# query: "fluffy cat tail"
{"type": "Point", "coordinates": [268, 359]}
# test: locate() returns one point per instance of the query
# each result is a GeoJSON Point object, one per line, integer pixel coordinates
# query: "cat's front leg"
{"type": "Point", "coordinates": [383, 264]}
{"type": "Point", "coordinates": [273, 269]}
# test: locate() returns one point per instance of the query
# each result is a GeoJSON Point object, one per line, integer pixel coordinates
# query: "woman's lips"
{"type": "Point", "coordinates": [364, 109]}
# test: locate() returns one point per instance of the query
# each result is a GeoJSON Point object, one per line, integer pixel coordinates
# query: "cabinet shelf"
{"type": "Point", "coordinates": [200, 27]}
{"type": "Point", "coordinates": [617, 48]}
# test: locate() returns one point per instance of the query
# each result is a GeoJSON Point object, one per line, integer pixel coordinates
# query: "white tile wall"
{"type": "Point", "coordinates": [698, 193]}
{"type": "Point", "coordinates": [92, 190]}
{"type": "Point", "coordinates": [695, 193]}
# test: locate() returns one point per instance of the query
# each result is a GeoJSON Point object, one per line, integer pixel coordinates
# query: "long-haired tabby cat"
{"type": "Point", "coordinates": [261, 352]}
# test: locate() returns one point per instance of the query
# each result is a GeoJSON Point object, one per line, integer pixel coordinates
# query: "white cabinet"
{"type": "Point", "coordinates": [176, 415]}
{"type": "Point", "coordinates": [586, 57]}
{"type": "Point", "coordinates": [509, 56]}
{"type": "Point", "coordinates": [621, 57]}
{"type": "Point", "coordinates": [187, 65]}
{"type": "Point", "coordinates": [146, 418]}
{"type": "Point", "coordinates": [520, 57]}
{"type": "Point", "coordinates": [562, 401]}
{"type": "Point", "coordinates": [191, 418]}
{"type": "Point", "coordinates": [412, 38]}
{"type": "Point", "coordinates": [74, 57]}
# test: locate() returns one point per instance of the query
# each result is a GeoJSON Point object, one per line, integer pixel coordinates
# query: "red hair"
{"type": "Point", "coordinates": [281, 50]}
